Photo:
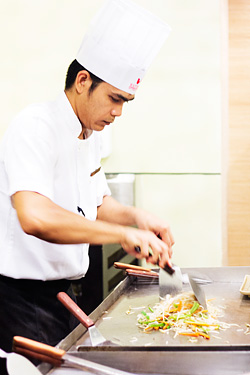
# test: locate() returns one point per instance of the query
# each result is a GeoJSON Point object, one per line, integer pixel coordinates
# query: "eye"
{"type": "Point", "coordinates": [114, 100]}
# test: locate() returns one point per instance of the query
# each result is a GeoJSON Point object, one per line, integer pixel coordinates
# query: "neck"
{"type": "Point", "coordinates": [85, 133]}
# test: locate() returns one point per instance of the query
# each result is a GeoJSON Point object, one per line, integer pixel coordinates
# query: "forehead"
{"type": "Point", "coordinates": [111, 90]}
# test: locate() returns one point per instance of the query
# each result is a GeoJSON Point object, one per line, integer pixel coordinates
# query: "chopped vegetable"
{"type": "Point", "coordinates": [194, 307]}
{"type": "Point", "coordinates": [184, 316]}
{"type": "Point", "coordinates": [145, 314]}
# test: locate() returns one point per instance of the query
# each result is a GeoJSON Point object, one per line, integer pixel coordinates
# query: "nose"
{"type": "Point", "coordinates": [117, 110]}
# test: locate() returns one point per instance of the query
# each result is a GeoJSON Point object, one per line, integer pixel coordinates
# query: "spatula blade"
{"type": "Point", "coordinates": [170, 284]}
{"type": "Point", "coordinates": [198, 292]}
{"type": "Point", "coordinates": [96, 337]}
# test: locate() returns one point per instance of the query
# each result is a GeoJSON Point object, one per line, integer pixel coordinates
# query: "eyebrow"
{"type": "Point", "coordinates": [122, 97]}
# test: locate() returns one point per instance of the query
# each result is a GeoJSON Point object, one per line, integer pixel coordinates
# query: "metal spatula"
{"type": "Point", "coordinates": [170, 278]}
{"type": "Point", "coordinates": [95, 335]}
{"type": "Point", "coordinates": [58, 357]}
{"type": "Point", "coordinates": [170, 282]}
{"type": "Point", "coordinates": [198, 292]}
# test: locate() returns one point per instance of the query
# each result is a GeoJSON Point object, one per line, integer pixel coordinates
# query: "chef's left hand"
{"type": "Point", "coordinates": [160, 228]}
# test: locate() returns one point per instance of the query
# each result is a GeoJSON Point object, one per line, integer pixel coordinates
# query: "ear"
{"type": "Point", "coordinates": [83, 81]}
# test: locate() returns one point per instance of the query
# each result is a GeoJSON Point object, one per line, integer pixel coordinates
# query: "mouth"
{"type": "Point", "coordinates": [107, 122]}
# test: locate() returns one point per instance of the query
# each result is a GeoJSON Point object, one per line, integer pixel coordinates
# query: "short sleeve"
{"type": "Point", "coordinates": [30, 159]}
{"type": "Point", "coordinates": [103, 188]}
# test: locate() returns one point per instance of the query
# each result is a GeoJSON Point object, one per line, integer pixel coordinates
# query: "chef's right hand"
{"type": "Point", "coordinates": [144, 240]}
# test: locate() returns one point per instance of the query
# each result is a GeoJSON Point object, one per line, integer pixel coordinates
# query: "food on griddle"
{"type": "Point", "coordinates": [183, 315]}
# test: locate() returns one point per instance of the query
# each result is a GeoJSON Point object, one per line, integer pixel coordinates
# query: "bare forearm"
{"type": "Point", "coordinates": [52, 223]}
{"type": "Point", "coordinates": [113, 212]}
{"type": "Point", "coordinates": [42, 218]}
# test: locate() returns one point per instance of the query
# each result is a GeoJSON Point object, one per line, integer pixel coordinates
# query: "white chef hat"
{"type": "Point", "coordinates": [121, 42]}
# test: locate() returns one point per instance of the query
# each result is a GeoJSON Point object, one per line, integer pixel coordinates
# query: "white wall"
{"type": "Point", "coordinates": [169, 136]}
{"type": "Point", "coordinates": [174, 124]}
{"type": "Point", "coordinates": [38, 41]}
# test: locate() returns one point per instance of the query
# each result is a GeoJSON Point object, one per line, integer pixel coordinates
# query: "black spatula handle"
{"type": "Point", "coordinates": [166, 268]}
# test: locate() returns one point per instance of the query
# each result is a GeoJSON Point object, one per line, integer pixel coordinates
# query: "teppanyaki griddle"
{"type": "Point", "coordinates": [118, 326]}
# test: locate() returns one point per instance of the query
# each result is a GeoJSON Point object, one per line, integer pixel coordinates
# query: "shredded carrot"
{"type": "Point", "coordinates": [174, 310]}
{"type": "Point", "coordinates": [188, 305]}
{"type": "Point", "coordinates": [180, 306]}
{"type": "Point", "coordinates": [195, 334]}
{"type": "Point", "coordinates": [201, 324]}
{"type": "Point", "coordinates": [159, 318]}
{"type": "Point", "coordinates": [204, 335]}
{"type": "Point", "coordinates": [165, 327]}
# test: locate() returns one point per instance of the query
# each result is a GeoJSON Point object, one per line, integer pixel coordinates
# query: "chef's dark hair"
{"type": "Point", "coordinates": [72, 72]}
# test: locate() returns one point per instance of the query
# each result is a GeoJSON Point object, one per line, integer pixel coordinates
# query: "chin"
{"type": "Point", "coordinates": [99, 128]}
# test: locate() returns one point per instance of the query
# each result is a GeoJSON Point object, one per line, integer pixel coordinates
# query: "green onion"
{"type": "Point", "coordinates": [150, 309]}
{"type": "Point", "coordinates": [156, 325]}
{"type": "Point", "coordinates": [195, 306]}
{"type": "Point", "coordinates": [145, 314]}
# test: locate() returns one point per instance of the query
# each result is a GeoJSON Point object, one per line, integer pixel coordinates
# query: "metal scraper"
{"type": "Point", "coordinates": [170, 281]}
{"type": "Point", "coordinates": [198, 292]}
{"type": "Point", "coordinates": [170, 278]}
{"type": "Point", "coordinates": [58, 357]}
{"type": "Point", "coordinates": [95, 335]}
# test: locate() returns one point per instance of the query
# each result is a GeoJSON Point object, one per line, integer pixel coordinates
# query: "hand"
{"type": "Point", "coordinates": [145, 240]}
{"type": "Point", "coordinates": [161, 229]}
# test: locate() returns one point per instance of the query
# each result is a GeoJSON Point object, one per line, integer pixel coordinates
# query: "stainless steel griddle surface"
{"type": "Point", "coordinates": [161, 353]}
{"type": "Point", "coordinates": [121, 328]}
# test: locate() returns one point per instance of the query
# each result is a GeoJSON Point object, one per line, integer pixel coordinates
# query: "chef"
{"type": "Point", "coordinates": [54, 197]}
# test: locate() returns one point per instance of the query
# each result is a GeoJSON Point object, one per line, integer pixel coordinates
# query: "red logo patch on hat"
{"type": "Point", "coordinates": [134, 86]}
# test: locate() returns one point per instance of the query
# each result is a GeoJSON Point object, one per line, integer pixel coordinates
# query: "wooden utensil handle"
{"type": "Point", "coordinates": [37, 347]}
{"type": "Point", "coordinates": [75, 309]}
{"type": "Point", "coordinates": [125, 266]}
{"type": "Point", "coordinates": [41, 357]}
{"type": "Point", "coordinates": [144, 274]}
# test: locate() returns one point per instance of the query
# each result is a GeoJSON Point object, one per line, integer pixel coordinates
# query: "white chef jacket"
{"type": "Point", "coordinates": [41, 152]}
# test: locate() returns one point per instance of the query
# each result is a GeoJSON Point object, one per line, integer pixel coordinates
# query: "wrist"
{"type": "Point", "coordinates": [122, 234]}
{"type": "Point", "coordinates": [138, 216]}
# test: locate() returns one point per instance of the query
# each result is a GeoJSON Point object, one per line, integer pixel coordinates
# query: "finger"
{"type": "Point", "coordinates": [165, 259]}
{"type": "Point", "coordinates": [169, 241]}
{"type": "Point", "coordinates": [170, 252]}
{"type": "Point", "coordinates": [143, 249]}
{"type": "Point", "coordinates": [137, 251]}
{"type": "Point", "coordinates": [158, 248]}
{"type": "Point", "coordinates": [152, 258]}
{"type": "Point", "coordinates": [167, 237]}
